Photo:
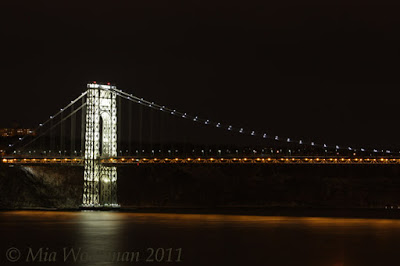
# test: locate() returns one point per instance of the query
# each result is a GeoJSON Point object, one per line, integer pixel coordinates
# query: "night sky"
{"type": "Point", "coordinates": [298, 69]}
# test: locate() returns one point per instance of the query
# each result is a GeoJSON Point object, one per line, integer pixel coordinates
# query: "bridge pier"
{"type": "Point", "coordinates": [100, 185]}
{"type": "Point", "coordinates": [100, 181]}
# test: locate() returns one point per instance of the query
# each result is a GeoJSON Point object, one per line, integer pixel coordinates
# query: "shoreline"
{"type": "Point", "coordinates": [365, 213]}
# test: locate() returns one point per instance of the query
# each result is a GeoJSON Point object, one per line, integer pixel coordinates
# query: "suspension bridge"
{"type": "Point", "coordinates": [106, 127]}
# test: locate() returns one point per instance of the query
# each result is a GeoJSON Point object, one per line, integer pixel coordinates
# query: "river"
{"type": "Point", "coordinates": [117, 238]}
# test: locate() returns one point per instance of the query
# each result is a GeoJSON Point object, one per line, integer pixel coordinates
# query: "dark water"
{"type": "Point", "coordinates": [107, 238]}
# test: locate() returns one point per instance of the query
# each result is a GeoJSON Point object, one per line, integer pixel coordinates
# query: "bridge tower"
{"type": "Point", "coordinates": [100, 181]}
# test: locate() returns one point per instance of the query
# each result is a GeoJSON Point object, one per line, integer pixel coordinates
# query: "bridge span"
{"type": "Point", "coordinates": [200, 160]}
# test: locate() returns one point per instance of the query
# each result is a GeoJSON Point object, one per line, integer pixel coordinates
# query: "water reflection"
{"type": "Point", "coordinates": [99, 235]}
{"type": "Point", "coordinates": [204, 239]}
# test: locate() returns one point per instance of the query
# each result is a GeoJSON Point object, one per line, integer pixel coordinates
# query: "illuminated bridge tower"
{"type": "Point", "coordinates": [100, 181]}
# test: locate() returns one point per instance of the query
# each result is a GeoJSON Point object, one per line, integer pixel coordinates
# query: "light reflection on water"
{"type": "Point", "coordinates": [204, 239]}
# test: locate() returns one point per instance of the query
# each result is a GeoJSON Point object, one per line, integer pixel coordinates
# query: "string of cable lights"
{"type": "Point", "coordinates": [52, 117]}
{"type": "Point", "coordinates": [211, 123]}
{"type": "Point", "coordinates": [242, 130]}
{"type": "Point", "coordinates": [55, 125]}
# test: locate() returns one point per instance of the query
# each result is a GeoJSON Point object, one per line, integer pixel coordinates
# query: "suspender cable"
{"type": "Point", "coordinates": [151, 130]}
{"type": "Point", "coordinates": [83, 127]}
{"type": "Point", "coordinates": [73, 124]}
{"type": "Point", "coordinates": [62, 134]}
{"type": "Point", "coordinates": [52, 138]}
{"type": "Point", "coordinates": [130, 128]}
{"type": "Point", "coordinates": [140, 127]}
{"type": "Point", "coordinates": [119, 122]}
{"type": "Point", "coordinates": [43, 144]}
{"type": "Point", "coordinates": [160, 130]}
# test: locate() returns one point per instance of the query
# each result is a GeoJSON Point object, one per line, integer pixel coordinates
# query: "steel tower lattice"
{"type": "Point", "coordinates": [100, 181]}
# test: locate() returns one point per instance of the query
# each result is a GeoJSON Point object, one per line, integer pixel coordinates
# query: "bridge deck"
{"type": "Point", "coordinates": [263, 160]}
